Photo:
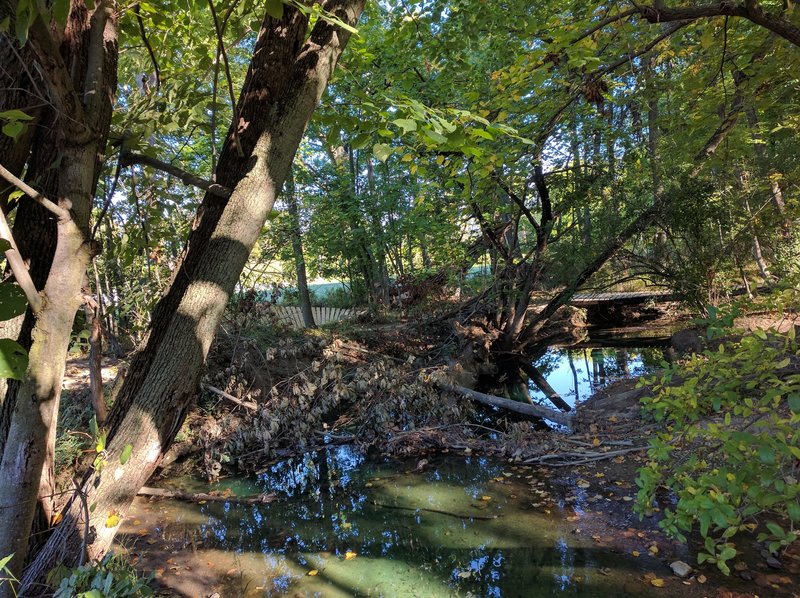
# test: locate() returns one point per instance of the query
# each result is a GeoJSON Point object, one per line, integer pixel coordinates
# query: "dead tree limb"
{"type": "Point", "coordinates": [201, 497]}
{"type": "Point", "coordinates": [532, 411]}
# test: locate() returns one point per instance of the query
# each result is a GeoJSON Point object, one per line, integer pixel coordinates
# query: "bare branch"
{"type": "Point", "coordinates": [60, 212]}
{"type": "Point", "coordinates": [129, 159]}
{"type": "Point", "coordinates": [749, 9]}
{"type": "Point", "coordinates": [19, 268]}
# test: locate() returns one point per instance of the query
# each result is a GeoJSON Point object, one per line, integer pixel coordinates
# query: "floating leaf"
{"type": "Point", "coordinates": [313, 572]}
{"type": "Point", "coordinates": [350, 555]}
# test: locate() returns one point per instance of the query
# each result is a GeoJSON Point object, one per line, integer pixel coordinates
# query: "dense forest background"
{"type": "Point", "coordinates": [165, 161]}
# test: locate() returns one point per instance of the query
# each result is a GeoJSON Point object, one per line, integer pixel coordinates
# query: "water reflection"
{"type": "Point", "coordinates": [464, 526]}
{"type": "Point", "coordinates": [575, 374]}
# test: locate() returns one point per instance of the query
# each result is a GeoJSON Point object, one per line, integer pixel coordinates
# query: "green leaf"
{"type": "Point", "coordinates": [382, 151]}
{"type": "Point", "coordinates": [766, 454]}
{"type": "Point", "coordinates": [275, 9]}
{"type": "Point", "coordinates": [406, 124]}
{"type": "Point", "coordinates": [13, 302]}
{"type": "Point", "coordinates": [434, 136]}
{"type": "Point", "coordinates": [13, 359]}
{"type": "Point", "coordinates": [93, 429]}
{"type": "Point", "coordinates": [126, 454]}
{"type": "Point", "coordinates": [727, 553]}
{"type": "Point", "coordinates": [15, 115]}
{"type": "Point", "coordinates": [794, 402]}
{"type": "Point", "coordinates": [61, 11]}
{"type": "Point", "coordinates": [4, 245]}
{"type": "Point", "coordinates": [4, 561]}
{"type": "Point", "coordinates": [13, 129]}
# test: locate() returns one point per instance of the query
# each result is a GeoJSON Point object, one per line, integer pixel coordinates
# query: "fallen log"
{"type": "Point", "coordinates": [534, 411]}
{"type": "Point", "coordinates": [229, 397]}
{"type": "Point", "coordinates": [201, 497]}
{"type": "Point", "coordinates": [539, 380]}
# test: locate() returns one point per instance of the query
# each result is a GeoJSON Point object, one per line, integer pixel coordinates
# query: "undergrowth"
{"type": "Point", "coordinates": [730, 446]}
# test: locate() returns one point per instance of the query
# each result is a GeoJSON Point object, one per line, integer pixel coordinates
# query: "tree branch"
{"type": "Point", "coordinates": [129, 159]}
{"type": "Point", "coordinates": [19, 268]}
{"type": "Point", "coordinates": [143, 35]}
{"type": "Point", "coordinates": [60, 212]}
{"type": "Point", "coordinates": [221, 48]}
{"type": "Point", "coordinates": [749, 9]}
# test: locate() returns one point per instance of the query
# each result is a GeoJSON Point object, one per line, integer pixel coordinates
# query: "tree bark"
{"type": "Point", "coordinates": [285, 81]}
{"type": "Point", "coordinates": [299, 258]}
{"type": "Point", "coordinates": [89, 43]}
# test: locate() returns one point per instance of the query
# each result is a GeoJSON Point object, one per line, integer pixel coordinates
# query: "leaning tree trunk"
{"type": "Point", "coordinates": [285, 81]}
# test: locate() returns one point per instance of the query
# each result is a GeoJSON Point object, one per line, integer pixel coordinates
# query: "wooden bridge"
{"type": "Point", "coordinates": [293, 317]}
{"type": "Point", "coordinates": [621, 298]}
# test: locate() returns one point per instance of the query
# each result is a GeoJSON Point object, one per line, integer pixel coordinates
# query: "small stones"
{"type": "Point", "coordinates": [680, 569]}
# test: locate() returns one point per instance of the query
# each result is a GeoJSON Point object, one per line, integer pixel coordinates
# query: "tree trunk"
{"type": "Point", "coordinates": [285, 81]}
{"type": "Point", "coordinates": [299, 258]}
{"type": "Point", "coordinates": [89, 44]}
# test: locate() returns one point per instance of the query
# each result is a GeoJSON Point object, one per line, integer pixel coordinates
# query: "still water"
{"type": "Point", "coordinates": [343, 526]}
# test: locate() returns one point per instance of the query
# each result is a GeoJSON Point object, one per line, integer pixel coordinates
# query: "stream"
{"type": "Point", "coordinates": [455, 524]}
{"type": "Point", "coordinates": [344, 526]}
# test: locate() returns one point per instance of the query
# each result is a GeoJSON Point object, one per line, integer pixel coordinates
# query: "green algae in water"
{"type": "Point", "coordinates": [462, 526]}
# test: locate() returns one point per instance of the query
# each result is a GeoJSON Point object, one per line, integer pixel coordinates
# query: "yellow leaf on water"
{"type": "Point", "coordinates": [636, 553]}
{"type": "Point", "coordinates": [657, 582]}
{"type": "Point", "coordinates": [350, 555]}
{"type": "Point", "coordinates": [313, 572]}
{"type": "Point", "coordinates": [596, 442]}
{"type": "Point", "coordinates": [486, 498]}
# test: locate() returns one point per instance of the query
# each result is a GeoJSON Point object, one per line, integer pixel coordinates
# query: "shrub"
{"type": "Point", "coordinates": [731, 445]}
{"type": "Point", "coordinates": [112, 577]}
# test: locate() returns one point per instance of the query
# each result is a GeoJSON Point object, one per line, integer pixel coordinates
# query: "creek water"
{"type": "Point", "coordinates": [456, 525]}
{"type": "Point", "coordinates": [344, 526]}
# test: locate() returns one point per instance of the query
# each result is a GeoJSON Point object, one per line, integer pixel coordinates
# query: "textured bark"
{"type": "Point", "coordinates": [285, 81]}
{"type": "Point", "coordinates": [88, 44]}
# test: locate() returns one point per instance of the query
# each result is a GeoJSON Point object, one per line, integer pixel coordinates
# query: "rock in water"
{"type": "Point", "coordinates": [681, 569]}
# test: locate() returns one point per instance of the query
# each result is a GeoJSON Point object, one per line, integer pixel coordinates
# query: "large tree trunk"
{"type": "Point", "coordinates": [89, 44]}
{"type": "Point", "coordinates": [285, 81]}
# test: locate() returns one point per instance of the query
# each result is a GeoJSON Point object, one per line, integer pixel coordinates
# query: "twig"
{"type": "Point", "coordinates": [221, 46]}
{"type": "Point", "coordinates": [246, 404]}
{"type": "Point", "coordinates": [204, 497]}
{"type": "Point", "coordinates": [437, 511]}
{"type": "Point", "coordinates": [587, 457]}
{"type": "Point", "coordinates": [129, 159]}
{"type": "Point", "coordinates": [143, 35]}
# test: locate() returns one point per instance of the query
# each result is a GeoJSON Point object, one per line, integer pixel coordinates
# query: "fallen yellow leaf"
{"type": "Point", "coordinates": [636, 553]}
{"type": "Point", "coordinates": [657, 582]}
{"type": "Point", "coordinates": [350, 555]}
{"type": "Point", "coordinates": [313, 572]}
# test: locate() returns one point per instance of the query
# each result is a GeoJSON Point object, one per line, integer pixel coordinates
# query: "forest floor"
{"type": "Point", "coordinates": [388, 367]}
